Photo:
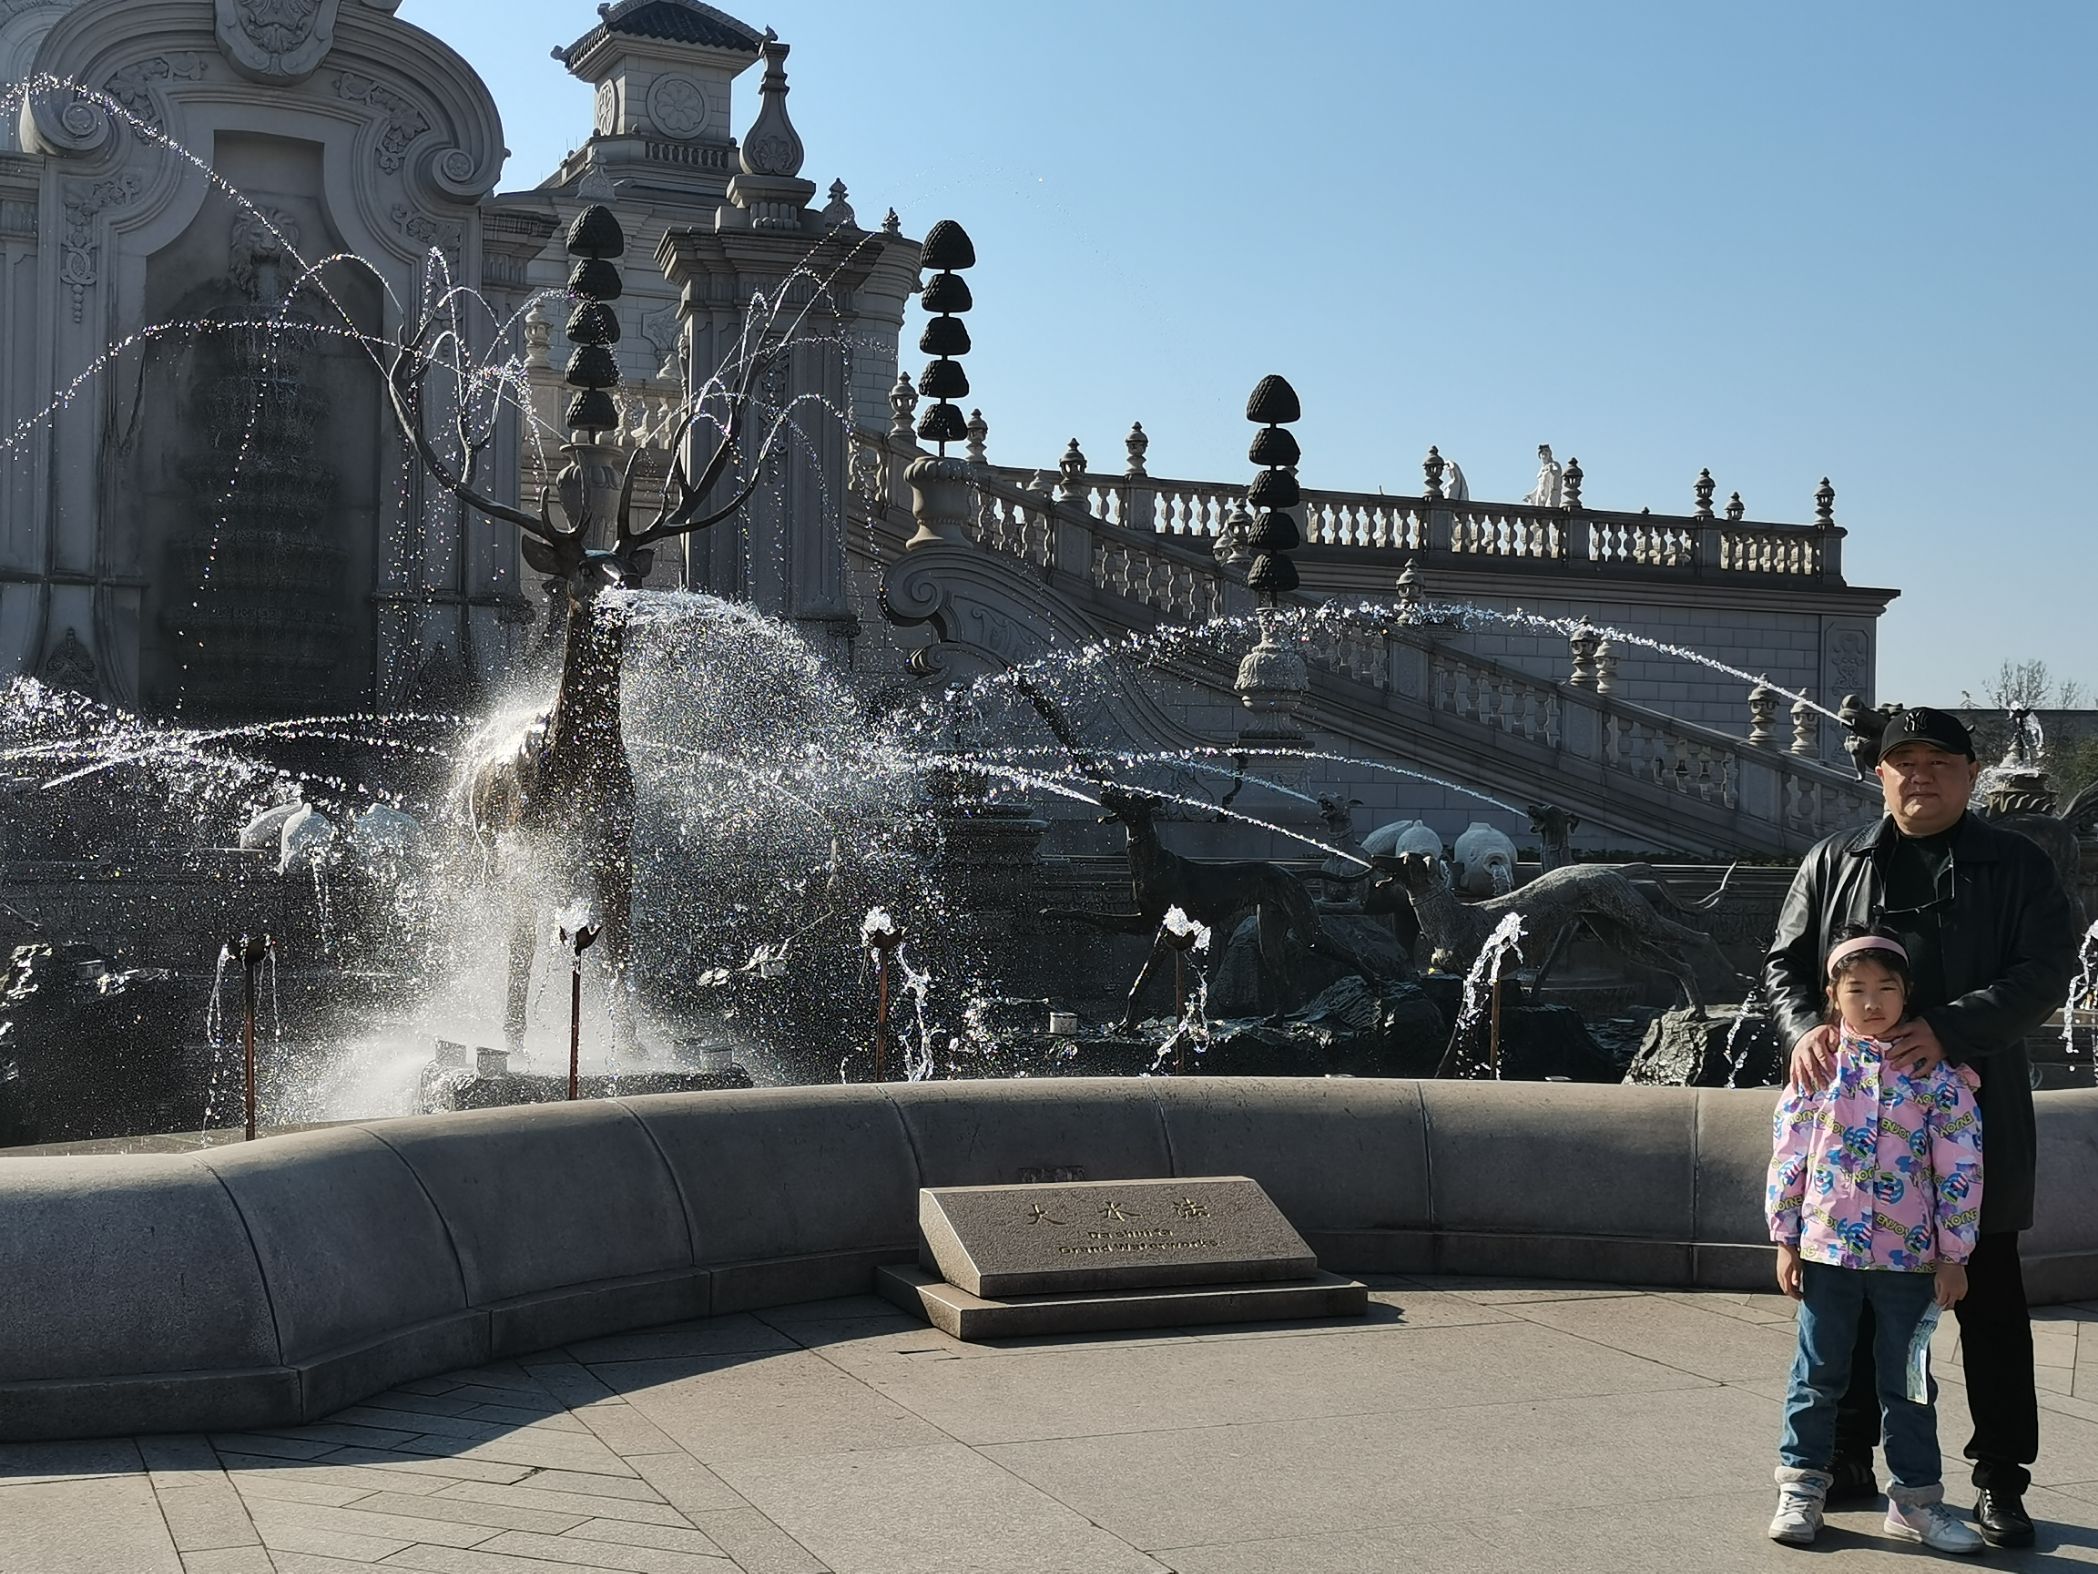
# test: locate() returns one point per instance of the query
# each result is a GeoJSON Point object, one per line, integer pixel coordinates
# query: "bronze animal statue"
{"type": "Point", "coordinates": [560, 794]}
{"type": "Point", "coordinates": [1600, 897]}
{"type": "Point", "coordinates": [1216, 895]}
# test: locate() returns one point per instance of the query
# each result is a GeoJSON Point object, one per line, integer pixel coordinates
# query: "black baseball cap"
{"type": "Point", "coordinates": [1924, 725]}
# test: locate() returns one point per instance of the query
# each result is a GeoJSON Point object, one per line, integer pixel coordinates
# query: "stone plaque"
{"type": "Point", "coordinates": [1105, 1235]}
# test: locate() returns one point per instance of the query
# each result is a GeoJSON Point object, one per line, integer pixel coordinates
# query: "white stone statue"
{"type": "Point", "coordinates": [1454, 487]}
{"type": "Point", "coordinates": [1550, 490]}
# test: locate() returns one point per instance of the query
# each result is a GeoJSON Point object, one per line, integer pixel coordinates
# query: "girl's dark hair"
{"type": "Point", "coordinates": [1894, 962]}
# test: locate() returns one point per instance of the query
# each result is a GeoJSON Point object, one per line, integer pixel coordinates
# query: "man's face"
{"type": "Point", "coordinates": [1926, 787]}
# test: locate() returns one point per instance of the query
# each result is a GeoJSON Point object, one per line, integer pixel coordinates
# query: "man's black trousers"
{"type": "Point", "coordinates": [1996, 1347]}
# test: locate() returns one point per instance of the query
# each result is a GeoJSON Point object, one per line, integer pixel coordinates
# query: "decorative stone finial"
{"type": "Point", "coordinates": [1274, 491]}
{"type": "Point", "coordinates": [594, 239]}
{"type": "Point", "coordinates": [1762, 712]}
{"type": "Point", "coordinates": [903, 405]}
{"type": "Point", "coordinates": [1583, 642]}
{"type": "Point", "coordinates": [1073, 467]}
{"type": "Point", "coordinates": [773, 147]}
{"type": "Point", "coordinates": [837, 214]}
{"type": "Point", "coordinates": [539, 338]}
{"type": "Point", "coordinates": [1806, 724]}
{"type": "Point", "coordinates": [1735, 508]}
{"type": "Point", "coordinates": [1432, 467]}
{"type": "Point", "coordinates": [949, 249]}
{"type": "Point", "coordinates": [979, 429]}
{"type": "Point", "coordinates": [1571, 481]}
{"type": "Point", "coordinates": [891, 225]}
{"type": "Point", "coordinates": [1137, 444]}
{"type": "Point", "coordinates": [1825, 503]}
{"type": "Point", "coordinates": [1704, 487]}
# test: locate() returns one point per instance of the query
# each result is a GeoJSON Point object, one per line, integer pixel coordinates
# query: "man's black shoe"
{"type": "Point", "coordinates": [2001, 1519]}
{"type": "Point", "coordinates": [1851, 1482]}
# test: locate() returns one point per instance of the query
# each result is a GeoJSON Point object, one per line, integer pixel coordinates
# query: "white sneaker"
{"type": "Point", "coordinates": [1801, 1495]}
{"type": "Point", "coordinates": [1933, 1524]}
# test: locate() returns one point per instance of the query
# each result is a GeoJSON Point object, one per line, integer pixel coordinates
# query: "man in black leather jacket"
{"type": "Point", "coordinates": [1992, 945]}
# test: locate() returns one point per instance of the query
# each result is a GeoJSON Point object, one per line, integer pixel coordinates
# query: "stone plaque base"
{"type": "Point", "coordinates": [965, 1316]}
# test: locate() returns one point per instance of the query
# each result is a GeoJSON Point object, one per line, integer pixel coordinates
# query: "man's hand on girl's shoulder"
{"type": "Point", "coordinates": [1915, 1049]}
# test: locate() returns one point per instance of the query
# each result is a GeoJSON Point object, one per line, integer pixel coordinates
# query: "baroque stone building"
{"type": "Point", "coordinates": [220, 514]}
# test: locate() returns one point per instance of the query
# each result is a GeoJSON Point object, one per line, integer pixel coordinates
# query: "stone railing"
{"type": "Point", "coordinates": [273, 1282]}
{"type": "Point", "coordinates": [1781, 797]}
{"type": "Point", "coordinates": [1449, 534]}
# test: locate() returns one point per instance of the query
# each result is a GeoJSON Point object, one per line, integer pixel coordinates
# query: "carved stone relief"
{"type": "Point", "coordinates": [71, 666]}
{"type": "Point", "coordinates": [81, 251]}
{"type": "Point", "coordinates": [1849, 661]}
{"type": "Point", "coordinates": [132, 87]}
{"type": "Point", "coordinates": [404, 122]}
{"type": "Point", "coordinates": [427, 233]}
{"type": "Point", "coordinates": [276, 41]}
{"type": "Point", "coordinates": [678, 107]}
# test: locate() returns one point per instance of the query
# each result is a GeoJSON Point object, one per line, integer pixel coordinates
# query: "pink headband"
{"type": "Point", "coordinates": [1863, 943]}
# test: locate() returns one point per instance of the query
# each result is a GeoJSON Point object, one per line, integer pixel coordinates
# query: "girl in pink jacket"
{"type": "Point", "coordinates": [1874, 1198]}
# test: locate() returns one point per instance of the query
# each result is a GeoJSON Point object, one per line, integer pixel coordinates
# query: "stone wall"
{"type": "Point", "coordinates": [278, 1281]}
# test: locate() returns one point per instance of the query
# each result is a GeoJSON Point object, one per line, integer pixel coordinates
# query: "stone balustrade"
{"type": "Point", "coordinates": [274, 1282]}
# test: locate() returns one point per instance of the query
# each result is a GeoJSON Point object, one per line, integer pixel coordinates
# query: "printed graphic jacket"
{"type": "Point", "coordinates": [1879, 1169]}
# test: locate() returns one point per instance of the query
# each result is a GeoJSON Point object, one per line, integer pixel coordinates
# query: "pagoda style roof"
{"type": "Point", "coordinates": [669, 21]}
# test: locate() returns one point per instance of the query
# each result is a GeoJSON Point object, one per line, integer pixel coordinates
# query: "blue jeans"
{"type": "Point", "coordinates": [1832, 1299]}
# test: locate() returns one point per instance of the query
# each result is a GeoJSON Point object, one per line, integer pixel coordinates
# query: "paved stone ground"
{"type": "Point", "coordinates": [1467, 1425]}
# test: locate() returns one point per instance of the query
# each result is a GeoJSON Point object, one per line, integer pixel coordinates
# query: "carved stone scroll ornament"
{"type": "Point", "coordinates": [80, 256]}
{"type": "Point", "coordinates": [133, 87]}
{"type": "Point", "coordinates": [280, 42]}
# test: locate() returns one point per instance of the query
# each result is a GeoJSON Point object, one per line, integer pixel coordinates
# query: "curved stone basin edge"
{"type": "Point", "coordinates": [276, 1282]}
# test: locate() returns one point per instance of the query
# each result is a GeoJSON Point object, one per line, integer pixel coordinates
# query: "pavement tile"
{"type": "Point", "coordinates": [511, 1417]}
{"type": "Point", "coordinates": [229, 1560]}
{"type": "Point", "coordinates": [1521, 1292]}
{"type": "Point", "coordinates": [464, 1511]}
{"type": "Point", "coordinates": [626, 1532]}
{"type": "Point", "coordinates": [757, 1545]}
{"type": "Point", "coordinates": [22, 1463]}
{"type": "Point", "coordinates": [570, 1382]}
{"type": "Point", "coordinates": [1446, 1549]}
{"type": "Point", "coordinates": [87, 1525]}
{"type": "Point", "coordinates": [611, 1554]}
{"type": "Point", "coordinates": [274, 1447]}
{"type": "Point", "coordinates": [351, 1433]}
{"type": "Point", "coordinates": [242, 1469]}
{"type": "Point", "coordinates": [452, 1465]}
{"type": "Point", "coordinates": [732, 1335]}
{"type": "Point", "coordinates": [176, 1455]}
{"type": "Point", "coordinates": [285, 1489]}
{"type": "Point", "coordinates": [537, 1451]}
{"type": "Point", "coordinates": [582, 1506]}
{"type": "Point", "coordinates": [312, 1563]}
{"type": "Point", "coordinates": [685, 1483]}
{"type": "Point", "coordinates": [1655, 1328]}
{"type": "Point", "coordinates": [207, 1515]}
{"type": "Point", "coordinates": [625, 1430]}
{"type": "Point", "coordinates": [283, 1535]}
{"type": "Point", "coordinates": [404, 1424]}
{"type": "Point", "coordinates": [943, 1509]}
{"type": "Point", "coordinates": [421, 1404]}
{"type": "Point", "coordinates": [367, 1522]}
{"type": "Point", "coordinates": [499, 1374]}
{"type": "Point", "coordinates": [629, 1487]}
{"type": "Point", "coordinates": [479, 1560]}
{"type": "Point", "coordinates": [791, 1403]}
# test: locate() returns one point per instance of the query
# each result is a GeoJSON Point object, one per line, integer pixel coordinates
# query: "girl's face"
{"type": "Point", "coordinates": [1870, 998]}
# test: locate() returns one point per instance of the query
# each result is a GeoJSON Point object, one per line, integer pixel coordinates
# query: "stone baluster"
{"type": "Point", "coordinates": [1606, 667]}
{"type": "Point", "coordinates": [903, 410]}
{"type": "Point", "coordinates": [1762, 712]}
{"type": "Point", "coordinates": [539, 339]}
{"type": "Point", "coordinates": [1806, 729]}
{"type": "Point", "coordinates": [979, 430]}
{"type": "Point", "coordinates": [1584, 642]}
{"type": "Point", "coordinates": [1137, 445]}
{"type": "Point", "coordinates": [1704, 487]}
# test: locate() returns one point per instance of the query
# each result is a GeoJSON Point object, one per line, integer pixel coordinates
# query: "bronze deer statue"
{"type": "Point", "coordinates": [564, 782]}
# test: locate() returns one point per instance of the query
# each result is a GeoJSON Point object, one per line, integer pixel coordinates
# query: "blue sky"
{"type": "Point", "coordinates": [1778, 240]}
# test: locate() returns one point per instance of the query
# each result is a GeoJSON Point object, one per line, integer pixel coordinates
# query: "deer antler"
{"type": "Point", "coordinates": [404, 386]}
{"type": "Point", "coordinates": [682, 497]}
